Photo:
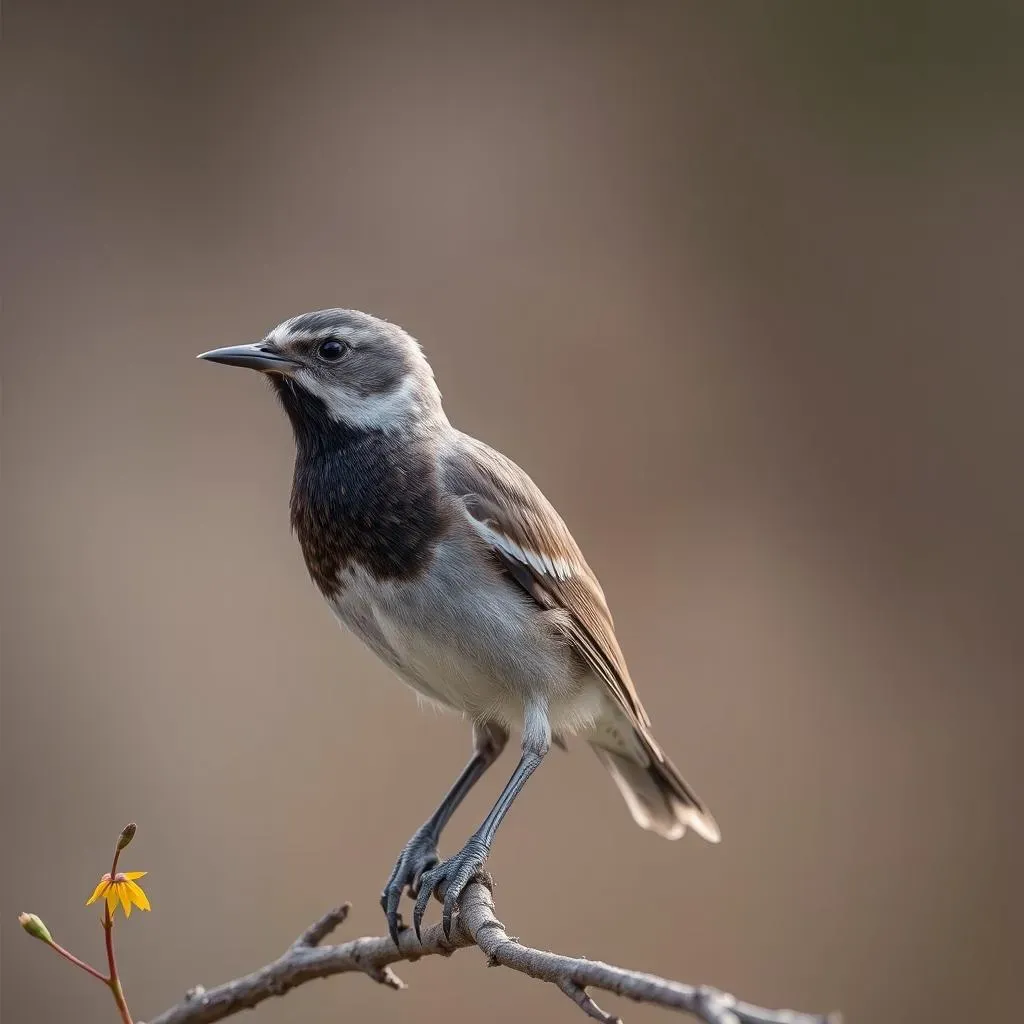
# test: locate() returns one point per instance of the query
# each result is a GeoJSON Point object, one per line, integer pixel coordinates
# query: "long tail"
{"type": "Point", "coordinates": [658, 797]}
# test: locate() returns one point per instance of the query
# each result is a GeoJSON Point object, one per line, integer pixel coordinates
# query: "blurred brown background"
{"type": "Point", "coordinates": [739, 284]}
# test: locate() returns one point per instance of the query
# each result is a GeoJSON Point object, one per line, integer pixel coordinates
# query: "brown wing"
{"type": "Point", "coordinates": [528, 536]}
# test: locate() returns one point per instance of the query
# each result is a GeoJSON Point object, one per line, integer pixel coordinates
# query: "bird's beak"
{"type": "Point", "coordinates": [254, 357]}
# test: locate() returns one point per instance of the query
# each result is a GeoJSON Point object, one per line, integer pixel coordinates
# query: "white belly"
{"type": "Point", "coordinates": [471, 642]}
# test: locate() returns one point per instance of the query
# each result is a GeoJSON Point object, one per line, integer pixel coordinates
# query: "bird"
{"type": "Point", "coordinates": [450, 564]}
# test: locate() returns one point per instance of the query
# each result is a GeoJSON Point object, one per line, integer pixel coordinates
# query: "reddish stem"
{"type": "Point", "coordinates": [57, 948]}
{"type": "Point", "coordinates": [114, 981]}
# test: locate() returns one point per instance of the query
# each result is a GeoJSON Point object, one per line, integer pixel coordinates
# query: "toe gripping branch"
{"type": "Point", "coordinates": [417, 858]}
{"type": "Point", "coordinates": [448, 882]}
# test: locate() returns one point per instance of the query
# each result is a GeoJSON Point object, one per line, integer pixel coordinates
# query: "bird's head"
{"type": "Point", "coordinates": [342, 370]}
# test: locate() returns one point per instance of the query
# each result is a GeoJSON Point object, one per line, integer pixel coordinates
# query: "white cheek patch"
{"type": "Point", "coordinates": [366, 411]}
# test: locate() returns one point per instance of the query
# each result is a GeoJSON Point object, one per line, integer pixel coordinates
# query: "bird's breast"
{"type": "Point", "coordinates": [372, 505]}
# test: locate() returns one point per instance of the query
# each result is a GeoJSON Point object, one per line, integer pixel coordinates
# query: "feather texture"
{"type": "Point", "coordinates": [511, 514]}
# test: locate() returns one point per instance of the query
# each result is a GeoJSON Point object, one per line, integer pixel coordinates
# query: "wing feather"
{"type": "Point", "coordinates": [509, 512]}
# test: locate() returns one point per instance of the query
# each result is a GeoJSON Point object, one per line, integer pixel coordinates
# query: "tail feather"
{"type": "Point", "coordinates": [658, 797]}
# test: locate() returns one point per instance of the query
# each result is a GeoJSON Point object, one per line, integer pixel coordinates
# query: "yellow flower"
{"type": "Point", "coordinates": [122, 886]}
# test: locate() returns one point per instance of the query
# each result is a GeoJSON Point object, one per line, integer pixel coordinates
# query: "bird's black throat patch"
{"type": "Point", "coordinates": [360, 497]}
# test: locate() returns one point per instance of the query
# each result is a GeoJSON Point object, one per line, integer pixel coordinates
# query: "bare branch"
{"type": "Point", "coordinates": [476, 925]}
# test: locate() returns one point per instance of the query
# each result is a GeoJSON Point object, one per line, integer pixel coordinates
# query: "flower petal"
{"type": "Point", "coordinates": [126, 898]}
{"type": "Point", "coordinates": [98, 891]}
{"type": "Point", "coordinates": [132, 875]}
{"type": "Point", "coordinates": [138, 897]}
{"type": "Point", "coordinates": [111, 897]}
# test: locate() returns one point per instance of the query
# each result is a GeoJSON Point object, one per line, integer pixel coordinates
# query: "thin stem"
{"type": "Point", "coordinates": [57, 948]}
{"type": "Point", "coordinates": [114, 981]}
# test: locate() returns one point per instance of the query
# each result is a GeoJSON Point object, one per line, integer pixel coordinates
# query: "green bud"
{"type": "Point", "coordinates": [35, 927]}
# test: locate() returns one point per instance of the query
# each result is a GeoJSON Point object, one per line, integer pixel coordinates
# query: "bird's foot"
{"type": "Point", "coordinates": [447, 881]}
{"type": "Point", "coordinates": [418, 856]}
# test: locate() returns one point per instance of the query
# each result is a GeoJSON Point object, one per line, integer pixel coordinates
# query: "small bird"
{"type": "Point", "coordinates": [446, 559]}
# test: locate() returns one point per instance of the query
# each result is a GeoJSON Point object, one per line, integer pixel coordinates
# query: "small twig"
{"type": "Point", "coordinates": [582, 999]}
{"type": "Point", "coordinates": [386, 977]}
{"type": "Point", "coordinates": [476, 925]}
{"type": "Point", "coordinates": [319, 930]}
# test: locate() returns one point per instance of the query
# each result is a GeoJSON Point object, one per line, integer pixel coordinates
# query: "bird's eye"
{"type": "Point", "coordinates": [331, 350]}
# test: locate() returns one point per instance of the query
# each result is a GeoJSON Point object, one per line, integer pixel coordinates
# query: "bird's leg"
{"type": "Point", "coordinates": [420, 853]}
{"type": "Point", "coordinates": [449, 878]}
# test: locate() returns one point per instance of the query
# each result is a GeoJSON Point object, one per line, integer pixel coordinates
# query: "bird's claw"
{"type": "Point", "coordinates": [448, 880]}
{"type": "Point", "coordinates": [418, 856]}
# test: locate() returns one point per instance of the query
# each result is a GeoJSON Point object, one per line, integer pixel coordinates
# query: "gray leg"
{"type": "Point", "coordinates": [451, 877]}
{"type": "Point", "coordinates": [420, 853]}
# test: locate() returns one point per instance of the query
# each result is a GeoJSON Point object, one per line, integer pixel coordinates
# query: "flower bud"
{"type": "Point", "coordinates": [35, 927]}
{"type": "Point", "coordinates": [127, 835]}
